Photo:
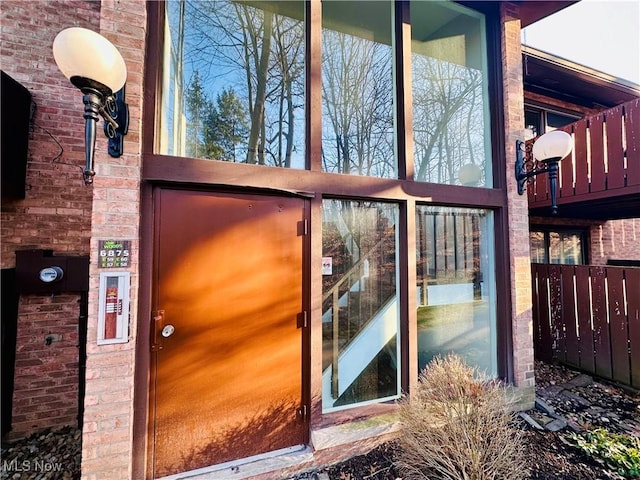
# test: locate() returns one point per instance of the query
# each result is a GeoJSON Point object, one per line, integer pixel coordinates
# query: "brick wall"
{"type": "Point", "coordinates": [55, 214]}
{"type": "Point", "coordinates": [46, 375]}
{"type": "Point", "coordinates": [107, 437]}
{"type": "Point", "coordinates": [615, 240]}
{"type": "Point", "coordinates": [518, 211]}
{"type": "Point", "coordinates": [56, 197]}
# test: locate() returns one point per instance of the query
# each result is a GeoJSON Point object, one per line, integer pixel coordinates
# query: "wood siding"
{"type": "Point", "coordinates": [605, 161]}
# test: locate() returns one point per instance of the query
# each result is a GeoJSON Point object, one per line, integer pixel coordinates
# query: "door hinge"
{"type": "Point", "coordinates": [303, 413]}
{"type": "Point", "coordinates": [302, 320]}
{"type": "Point", "coordinates": [157, 322]}
{"type": "Point", "coordinates": [303, 227]}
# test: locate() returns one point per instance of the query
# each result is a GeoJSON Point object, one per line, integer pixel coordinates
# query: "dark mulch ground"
{"type": "Point", "coordinates": [549, 459]}
{"type": "Point", "coordinates": [549, 454]}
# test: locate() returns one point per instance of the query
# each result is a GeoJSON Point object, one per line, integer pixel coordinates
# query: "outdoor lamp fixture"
{"type": "Point", "coordinates": [94, 65]}
{"type": "Point", "coordinates": [548, 150]}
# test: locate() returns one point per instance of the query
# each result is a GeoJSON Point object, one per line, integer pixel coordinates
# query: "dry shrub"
{"type": "Point", "coordinates": [455, 426]}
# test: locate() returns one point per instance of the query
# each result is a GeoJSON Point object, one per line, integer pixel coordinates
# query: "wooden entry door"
{"type": "Point", "coordinates": [226, 347]}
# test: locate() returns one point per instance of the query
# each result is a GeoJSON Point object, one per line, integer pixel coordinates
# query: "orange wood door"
{"type": "Point", "coordinates": [227, 359]}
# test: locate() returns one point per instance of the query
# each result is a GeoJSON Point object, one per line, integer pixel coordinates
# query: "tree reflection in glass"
{"type": "Point", "coordinates": [233, 86]}
{"type": "Point", "coordinates": [450, 97]}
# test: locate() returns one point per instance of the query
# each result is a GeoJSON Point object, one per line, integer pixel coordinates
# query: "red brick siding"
{"type": "Point", "coordinates": [518, 212]}
{"type": "Point", "coordinates": [46, 376]}
{"type": "Point", "coordinates": [615, 240]}
{"type": "Point", "coordinates": [108, 429]}
{"type": "Point", "coordinates": [56, 212]}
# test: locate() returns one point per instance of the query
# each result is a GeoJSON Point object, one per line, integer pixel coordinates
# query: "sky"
{"type": "Point", "coordinates": [600, 34]}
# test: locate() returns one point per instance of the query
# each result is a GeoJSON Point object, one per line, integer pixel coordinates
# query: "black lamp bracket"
{"type": "Point", "coordinates": [115, 112]}
{"type": "Point", "coordinates": [116, 121]}
{"type": "Point", "coordinates": [526, 168]}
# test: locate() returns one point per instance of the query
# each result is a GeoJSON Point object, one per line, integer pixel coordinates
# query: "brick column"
{"type": "Point", "coordinates": [518, 211]}
{"type": "Point", "coordinates": [108, 417]}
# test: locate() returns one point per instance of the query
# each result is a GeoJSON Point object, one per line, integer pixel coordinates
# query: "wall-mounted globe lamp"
{"type": "Point", "coordinates": [547, 151]}
{"type": "Point", "coordinates": [94, 65]}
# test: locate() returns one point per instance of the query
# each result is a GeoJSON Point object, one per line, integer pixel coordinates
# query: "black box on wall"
{"type": "Point", "coordinates": [39, 271]}
{"type": "Point", "coordinates": [15, 116]}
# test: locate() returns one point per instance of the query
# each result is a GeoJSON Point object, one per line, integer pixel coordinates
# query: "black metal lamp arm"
{"type": "Point", "coordinates": [115, 113]}
{"type": "Point", "coordinates": [522, 174]}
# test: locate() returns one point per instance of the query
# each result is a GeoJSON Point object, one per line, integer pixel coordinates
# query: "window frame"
{"type": "Point", "coordinates": [547, 230]}
{"type": "Point", "coordinates": [400, 334]}
{"type": "Point", "coordinates": [312, 182]}
{"type": "Point", "coordinates": [543, 111]}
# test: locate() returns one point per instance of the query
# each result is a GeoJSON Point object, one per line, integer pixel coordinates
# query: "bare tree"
{"type": "Point", "coordinates": [357, 91]}
{"type": "Point", "coordinates": [258, 52]}
{"type": "Point", "coordinates": [446, 112]}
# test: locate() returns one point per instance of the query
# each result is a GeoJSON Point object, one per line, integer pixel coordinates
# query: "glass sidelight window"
{"type": "Point", "coordinates": [450, 95]}
{"type": "Point", "coordinates": [456, 285]}
{"type": "Point", "coordinates": [360, 308]}
{"type": "Point", "coordinates": [233, 81]}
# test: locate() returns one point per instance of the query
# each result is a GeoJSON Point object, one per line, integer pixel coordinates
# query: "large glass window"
{"type": "Point", "coordinates": [233, 89]}
{"type": "Point", "coordinates": [456, 285]}
{"type": "Point", "coordinates": [360, 303]}
{"type": "Point", "coordinates": [357, 88]}
{"type": "Point", "coordinates": [562, 247]}
{"type": "Point", "coordinates": [233, 86]}
{"type": "Point", "coordinates": [450, 95]}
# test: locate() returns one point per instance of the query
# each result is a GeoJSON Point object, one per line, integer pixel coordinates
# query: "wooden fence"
{"type": "Point", "coordinates": [605, 158]}
{"type": "Point", "coordinates": [588, 317]}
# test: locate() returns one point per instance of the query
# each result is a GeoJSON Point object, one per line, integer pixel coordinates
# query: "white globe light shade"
{"type": "Point", "coordinates": [470, 175]}
{"type": "Point", "coordinates": [555, 144]}
{"type": "Point", "coordinates": [80, 52]}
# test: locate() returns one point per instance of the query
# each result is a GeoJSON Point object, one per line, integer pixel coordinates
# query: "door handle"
{"type": "Point", "coordinates": [168, 330]}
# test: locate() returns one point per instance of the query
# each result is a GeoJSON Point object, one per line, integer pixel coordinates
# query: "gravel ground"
{"type": "Point", "coordinates": [55, 455]}
{"type": "Point", "coordinates": [47, 455]}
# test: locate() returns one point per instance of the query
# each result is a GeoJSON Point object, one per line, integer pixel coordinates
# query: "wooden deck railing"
{"type": "Point", "coordinates": [605, 160]}
{"type": "Point", "coordinates": [588, 317]}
